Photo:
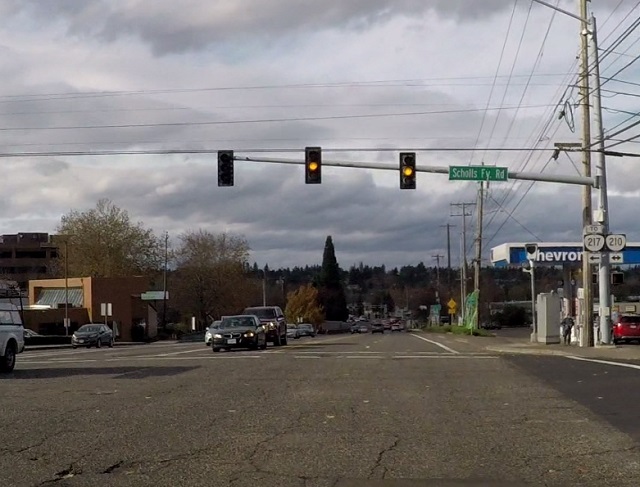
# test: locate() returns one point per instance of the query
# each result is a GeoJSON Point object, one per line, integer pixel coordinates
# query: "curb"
{"type": "Point", "coordinates": [527, 351]}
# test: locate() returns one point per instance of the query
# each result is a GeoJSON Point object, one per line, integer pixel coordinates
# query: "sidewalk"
{"type": "Point", "coordinates": [504, 344]}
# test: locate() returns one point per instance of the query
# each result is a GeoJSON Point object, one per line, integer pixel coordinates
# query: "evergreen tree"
{"type": "Point", "coordinates": [331, 294]}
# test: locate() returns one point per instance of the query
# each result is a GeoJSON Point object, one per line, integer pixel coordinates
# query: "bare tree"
{"type": "Point", "coordinates": [104, 242]}
{"type": "Point", "coordinates": [211, 275]}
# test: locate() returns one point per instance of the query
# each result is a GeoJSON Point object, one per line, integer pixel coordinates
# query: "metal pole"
{"type": "Point", "coordinates": [164, 280]}
{"type": "Point", "coordinates": [478, 260]}
{"type": "Point", "coordinates": [534, 321]}
{"type": "Point", "coordinates": [448, 226]}
{"type": "Point", "coordinates": [586, 337]}
{"type": "Point", "coordinates": [264, 286]}
{"type": "Point", "coordinates": [66, 286]}
{"type": "Point", "coordinates": [602, 214]}
{"type": "Point", "coordinates": [463, 277]}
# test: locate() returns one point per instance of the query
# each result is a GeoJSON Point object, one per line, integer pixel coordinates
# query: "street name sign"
{"type": "Point", "coordinates": [478, 173]}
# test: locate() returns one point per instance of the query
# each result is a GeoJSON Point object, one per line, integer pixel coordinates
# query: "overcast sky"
{"type": "Point", "coordinates": [132, 75]}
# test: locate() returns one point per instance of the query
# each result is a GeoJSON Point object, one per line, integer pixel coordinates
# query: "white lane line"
{"type": "Point", "coordinates": [605, 362]}
{"type": "Point", "coordinates": [210, 357]}
{"type": "Point", "coordinates": [442, 355]}
{"type": "Point", "coordinates": [444, 347]}
{"type": "Point", "coordinates": [49, 362]}
{"type": "Point", "coordinates": [169, 354]}
{"type": "Point", "coordinates": [307, 356]}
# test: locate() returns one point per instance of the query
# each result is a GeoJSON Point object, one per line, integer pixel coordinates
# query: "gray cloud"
{"type": "Point", "coordinates": [196, 24]}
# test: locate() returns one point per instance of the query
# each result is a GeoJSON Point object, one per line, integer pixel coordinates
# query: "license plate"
{"type": "Point", "coordinates": [633, 326]}
{"type": "Point", "coordinates": [231, 341]}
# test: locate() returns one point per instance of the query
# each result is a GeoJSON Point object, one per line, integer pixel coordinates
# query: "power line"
{"type": "Point", "coordinates": [264, 120]}
{"type": "Point", "coordinates": [504, 45]}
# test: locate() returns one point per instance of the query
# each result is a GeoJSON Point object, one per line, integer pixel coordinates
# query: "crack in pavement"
{"type": "Point", "coordinates": [381, 454]}
{"type": "Point", "coordinates": [67, 473]}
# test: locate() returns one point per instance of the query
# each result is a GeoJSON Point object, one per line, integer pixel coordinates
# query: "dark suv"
{"type": "Point", "coordinates": [273, 320]}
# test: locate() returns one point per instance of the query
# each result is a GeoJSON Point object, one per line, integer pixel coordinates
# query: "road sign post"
{"type": "Point", "coordinates": [478, 173]}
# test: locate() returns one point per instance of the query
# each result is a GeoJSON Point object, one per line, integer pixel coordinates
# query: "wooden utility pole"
{"type": "Point", "coordinates": [463, 264]}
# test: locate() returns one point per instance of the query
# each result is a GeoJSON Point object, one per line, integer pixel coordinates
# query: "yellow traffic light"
{"type": "Point", "coordinates": [407, 171]}
{"type": "Point", "coordinates": [313, 166]}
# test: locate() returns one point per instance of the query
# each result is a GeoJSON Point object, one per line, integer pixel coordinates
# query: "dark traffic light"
{"type": "Point", "coordinates": [225, 168]}
{"type": "Point", "coordinates": [407, 170]}
{"type": "Point", "coordinates": [312, 165]}
{"type": "Point", "coordinates": [617, 278]}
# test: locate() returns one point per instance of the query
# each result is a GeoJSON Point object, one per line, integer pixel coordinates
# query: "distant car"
{"type": "Point", "coordinates": [396, 327]}
{"type": "Point", "coordinates": [377, 328]}
{"type": "Point", "coordinates": [306, 330]}
{"type": "Point", "coordinates": [92, 334]}
{"type": "Point", "coordinates": [293, 332]}
{"type": "Point", "coordinates": [626, 328]}
{"type": "Point", "coordinates": [208, 335]}
{"type": "Point", "coordinates": [273, 320]}
{"type": "Point", "coordinates": [239, 331]}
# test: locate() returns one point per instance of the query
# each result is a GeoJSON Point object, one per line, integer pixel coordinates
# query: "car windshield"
{"type": "Point", "coordinates": [305, 327]}
{"type": "Point", "coordinates": [240, 321]}
{"type": "Point", "coordinates": [292, 327]}
{"type": "Point", "coordinates": [89, 329]}
{"type": "Point", "coordinates": [262, 312]}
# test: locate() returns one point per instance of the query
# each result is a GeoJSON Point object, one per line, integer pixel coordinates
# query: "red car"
{"type": "Point", "coordinates": [626, 328]}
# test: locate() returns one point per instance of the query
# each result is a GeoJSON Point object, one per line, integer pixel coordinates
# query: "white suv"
{"type": "Point", "coordinates": [11, 336]}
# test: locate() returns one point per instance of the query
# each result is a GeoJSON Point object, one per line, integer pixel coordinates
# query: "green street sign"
{"type": "Point", "coordinates": [478, 173]}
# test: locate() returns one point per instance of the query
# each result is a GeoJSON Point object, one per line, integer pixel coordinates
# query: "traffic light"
{"type": "Point", "coordinates": [407, 170]}
{"type": "Point", "coordinates": [312, 165]}
{"type": "Point", "coordinates": [225, 168]}
{"type": "Point", "coordinates": [617, 278]}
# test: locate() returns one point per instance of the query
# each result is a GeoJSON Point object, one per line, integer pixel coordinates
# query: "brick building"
{"type": "Point", "coordinates": [85, 295]}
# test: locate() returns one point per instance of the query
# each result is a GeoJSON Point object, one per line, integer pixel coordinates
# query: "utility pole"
{"type": "Point", "coordinates": [437, 259]}
{"type": "Point", "coordinates": [602, 215]}
{"type": "Point", "coordinates": [66, 285]}
{"type": "Point", "coordinates": [264, 286]}
{"type": "Point", "coordinates": [477, 267]}
{"type": "Point", "coordinates": [448, 227]}
{"type": "Point", "coordinates": [164, 280]}
{"type": "Point", "coordinates": [586, 337]}
{"type": "Point", "coordinates": [463, 265]}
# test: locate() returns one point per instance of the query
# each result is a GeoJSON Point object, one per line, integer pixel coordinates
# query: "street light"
{"type": "Point", "coordinates": [602, 214]}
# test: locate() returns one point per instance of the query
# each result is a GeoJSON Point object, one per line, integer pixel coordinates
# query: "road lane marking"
{"type": "Point", "coordinates": [53, 362]}
{"type": "Point", "coordinates": [444, 347]}
{"type": "Point", "coordinates": [605, 362]}
{"type": "Point", "coordinates": [444, 355]}
{"type": "Point", "coordinates": [216, 357]}
{"type": "Point", "coordinates": [307, 356]}
{"type": "Point", "coordinates": [169, 354]}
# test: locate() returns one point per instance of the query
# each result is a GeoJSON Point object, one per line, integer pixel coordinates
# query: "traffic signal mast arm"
{"type": "Point", "coordinates": [550, 178]}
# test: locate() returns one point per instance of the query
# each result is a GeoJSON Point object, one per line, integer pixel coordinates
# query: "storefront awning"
{"type": "Point", "coordinates": [56, 297]}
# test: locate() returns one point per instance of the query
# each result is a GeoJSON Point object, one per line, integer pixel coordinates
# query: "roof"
{"type": "Point", "coordinates": [56, 296]}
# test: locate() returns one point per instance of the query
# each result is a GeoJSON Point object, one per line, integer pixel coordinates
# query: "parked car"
{"type": "Point", "coordinates": [11, 336]}
{"type": "Point", "coordinates": [626, 328]}
{"type": "Point", "coordinates": [239, 331]}
{"type": "Point", "coordinates": [306, 330]}
{"type": "Point", "coordinates": [293, 332]}
{"type": "Point", "coordinates": [377, 328]}
{"type": "Point", "coordinates": [92, 334]}
{"type": "Point", "coordinates": [273, 319]}
{"type": "Point", "coordinates": [208, 335]}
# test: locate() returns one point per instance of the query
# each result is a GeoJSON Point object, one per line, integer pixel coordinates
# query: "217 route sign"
{"type": "Point", "coordinates": [594, 243]}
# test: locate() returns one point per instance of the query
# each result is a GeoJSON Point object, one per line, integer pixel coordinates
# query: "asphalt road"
{"type": "Point", "coordinates": [336, 411]}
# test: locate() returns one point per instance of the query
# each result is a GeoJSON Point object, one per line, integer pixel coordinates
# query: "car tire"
{"type": "Point", "coordinates": [215, 349]}
{"type": "Point", "coordinates": [74, 347]}
{"type": "Point", "coordinates": [8, 360]}
{"type": "Point", "coordinates": [111, 343]}
{"type": "Point", "coordinates": [264, 345]}
{"type": "Point", "coordinates": [276, 341]}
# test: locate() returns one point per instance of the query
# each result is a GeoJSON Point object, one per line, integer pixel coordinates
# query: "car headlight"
{"type": "Point", "coordinates": [272, 325]}
{"type": "Point", "coordinates": [217, 335]}
{"type": "Point", "coordinates": [249, 334]}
